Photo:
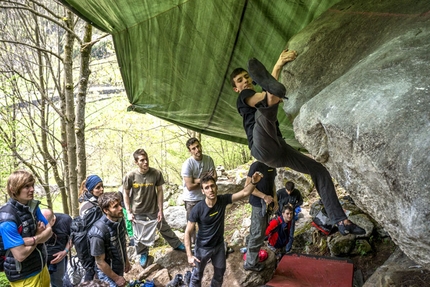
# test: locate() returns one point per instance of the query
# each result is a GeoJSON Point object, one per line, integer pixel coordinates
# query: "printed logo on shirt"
{"type": "Point", "coordinates": [213, 214]}
{"type": "Point", "coordinates": [137, 185]}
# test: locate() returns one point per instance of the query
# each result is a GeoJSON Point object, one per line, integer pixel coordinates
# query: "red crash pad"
{"type": "Point", "coordinates": [297, 270]}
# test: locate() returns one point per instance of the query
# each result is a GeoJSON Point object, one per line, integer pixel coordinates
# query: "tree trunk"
{"type": "Point", "coordinates": [70, 116]}
{"type": "Point", "coordinates": [84, 74]}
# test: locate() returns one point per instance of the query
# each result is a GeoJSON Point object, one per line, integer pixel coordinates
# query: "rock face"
{"type": "Point", "coordinates": [360, 95]}
{"type": "Point", "coordinates": [399, 270]}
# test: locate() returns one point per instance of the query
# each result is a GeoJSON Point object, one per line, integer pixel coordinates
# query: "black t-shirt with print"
{"type": "Point", "coordinates": [266, 185]}
{"type": "Point", "coordinates": [210, 221]}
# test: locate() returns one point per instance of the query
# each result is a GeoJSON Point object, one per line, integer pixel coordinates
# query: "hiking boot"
{"type": "Point", "coordinates": [143, 259]}
{"type": "Point", "coordinates": [181, 247]}
{"type": "Point", "coordinates": [187, 278]}
{"type": "Point", "coordinates": [351, 228]}
{"type": "Point", "coordinates": [262, 77]}
{"type": "Point", "coordinates": [176, 282]}
{"type": "Point", "coordinates": [257, 267]}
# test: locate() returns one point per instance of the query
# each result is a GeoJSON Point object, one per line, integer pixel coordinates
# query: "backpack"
{"type": "Point", "coordinates": [5, 213]}
{"type": "Point", "coordinates": [271, 238]}
{"type": "Point", "coordinates": [74, 273]}
{"type": "Point", "coordinates": [322, 222]}
{"type": "Point", "coordinates": [78, 233]}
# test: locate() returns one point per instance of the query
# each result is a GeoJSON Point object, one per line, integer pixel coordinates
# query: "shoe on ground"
{"type": "Point", "coordinates": [227, 249]}
{"type": "Point", "coordinates": [351, 228]}
{"type": "Point", "coordinates": [257, 267]}
{"type": "Point", "coordinates": [143, 259]}
{"type": "Point", "coordinates": [181, 247]}
{"type": "Point", "coordinates": [262, 77]}
{"type": "Point", "coordinates": [176, 282]}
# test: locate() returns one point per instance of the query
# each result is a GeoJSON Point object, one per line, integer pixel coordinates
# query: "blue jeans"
{"type": "Point", "coordinates": [291, 237]}
{"type": "Point", "coordinates": [105, 278]}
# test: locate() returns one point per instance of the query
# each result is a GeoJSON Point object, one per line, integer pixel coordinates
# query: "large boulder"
{"type": "Point", "coordinates": [360, 95]}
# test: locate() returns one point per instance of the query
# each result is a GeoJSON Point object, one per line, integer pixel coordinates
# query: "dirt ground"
{"type": "Point", "coordinates": [367, 263]}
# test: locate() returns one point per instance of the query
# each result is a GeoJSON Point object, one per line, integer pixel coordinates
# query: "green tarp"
{"type": "Point", "coordinates": [176, 56]}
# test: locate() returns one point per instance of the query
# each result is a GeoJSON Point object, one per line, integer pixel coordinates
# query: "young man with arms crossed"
{"type": "Point", "coordinates": [108, 242]}
{"type": "Point", "coordinates": [209, 215]}
{"type": "Point", "coordinates": [196, 166]}
{"type": "Point", "coordinates": [143, 200]}
{"type": "Point", "coordinates": [259, 112]}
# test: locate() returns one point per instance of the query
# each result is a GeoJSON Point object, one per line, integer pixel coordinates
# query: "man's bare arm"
{"type": "Point", "coordinates": [126, 197]}
{"type": "Point", "coordinates": [21, 252]}
{"type": "Point", "coordinates": [187, 242]}
{"type": "Point", "coordinates": [106, 269]}
{"type": "Point", "coordinates": [285, 57]}
{"type": "Point", "coordinates": [192, 183]}
{"type": "Point", "coordinates": [160, 199]}
{"type": "Point", "coordinates": [267, 198]}
{"type": "Point", "coordinates": [248, 189]}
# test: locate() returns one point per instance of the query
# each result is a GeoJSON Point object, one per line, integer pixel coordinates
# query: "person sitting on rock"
{"type": "Point", "coordinates": [290, 196]}
{"type": "Point", "coordinates": [280, 231]}
{"type": "Point", "coordinates": [259, 111]}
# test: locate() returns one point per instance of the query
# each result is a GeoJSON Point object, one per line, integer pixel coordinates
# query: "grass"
{"type": "Point", "coordinates": [3, 280]}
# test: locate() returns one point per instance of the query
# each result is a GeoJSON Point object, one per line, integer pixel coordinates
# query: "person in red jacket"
{"type": "Point", "coordinates": [281, 229]}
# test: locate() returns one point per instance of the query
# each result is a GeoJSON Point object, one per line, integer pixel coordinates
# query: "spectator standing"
{"type": "Point", "coordinates": [143, 199]}
{"type": "Point", "coordinates": [197, 165]}
{"type": "Point", "coordinates": [58, 245]}
{"type": "Point", "coordinates": [107, 239]}
{"type": "Point", "coordinates": [262, 196]}
{"type": "Point", "coordinates": [90, 190]}
{"type": "Point", "coordinates": [209, 214]}
{"type": "Point", "coordinates": [24, 230]}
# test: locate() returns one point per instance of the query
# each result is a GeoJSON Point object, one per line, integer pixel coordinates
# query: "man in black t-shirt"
{"type": "Point", "coordinates": [289, 195]}
{"type": "Point", "coordinates": [263, 195]}
{"type": "Point", "coordinates": [259, 111]}
{"type": "Point", "coordinates": [58, 245]}
{"type": "Point", "coordinates": [209, 215]}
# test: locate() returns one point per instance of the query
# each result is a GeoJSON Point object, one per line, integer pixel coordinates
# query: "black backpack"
{"type": "Point", "coordinates": [5, 215]}
{"type": "Point", "coordinates": [79, 230]}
